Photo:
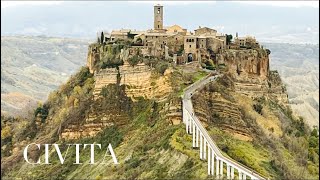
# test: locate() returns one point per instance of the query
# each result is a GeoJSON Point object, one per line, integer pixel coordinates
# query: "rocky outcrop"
{"type": "Point", "coordinates": [249, 70]}
{"type": "Point", "coordinates": [245, 64]}
{"type": "Point", "coordinates": [138, 80]}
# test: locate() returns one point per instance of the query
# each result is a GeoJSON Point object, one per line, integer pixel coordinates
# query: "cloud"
{"type": "Point", "coordinates": [295, 4]}
{"type": "Point", "coordinates": [7, 4]}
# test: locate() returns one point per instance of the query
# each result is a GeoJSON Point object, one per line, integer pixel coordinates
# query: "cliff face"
{"type": "Point", "coordinates": [138, 80]}
{"type": "Point", "coordinates": [246, 64]}
{"type": "Point", "coordinates": [249, 70]}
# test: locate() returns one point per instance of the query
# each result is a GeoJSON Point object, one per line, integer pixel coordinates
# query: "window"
{"type": "Point", "coordinates": [156, 36]}
{"type": "Point", "coordinates": [158, 26]}
{"type": "Point", "coordinates": [158, 10]}
{"type": "Point", "coordinates": [189, 46]}
{"type": "Point", "coordinates": [176, 38]}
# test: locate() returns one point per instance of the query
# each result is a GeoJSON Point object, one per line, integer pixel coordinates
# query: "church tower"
{"type": "Point", "coordinates": [158, 17]}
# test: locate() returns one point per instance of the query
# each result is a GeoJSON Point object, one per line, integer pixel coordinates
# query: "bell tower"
{"type": "Point", "coordinates": [158, 17]}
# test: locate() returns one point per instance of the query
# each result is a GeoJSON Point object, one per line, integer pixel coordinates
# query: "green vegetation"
{"type": "Point", "coordinates": [208, 64]}
{"type": "Point", "coordinates": [42, 111]}
{"type": "Point", "coordinates": [229, 38]}
{"type": "Point", "coordinates": [161, 67]}
{"type": "Point", "coordinates": [134, 60]}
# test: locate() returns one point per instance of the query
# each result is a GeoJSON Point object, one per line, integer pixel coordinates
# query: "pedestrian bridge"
{"type": "Point", "coordinates": [209, 151]}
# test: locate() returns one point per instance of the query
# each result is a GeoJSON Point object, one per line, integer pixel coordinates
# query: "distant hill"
{"type": "Point", "coordinates": [31, 67]}
{"type": "Point", "coordinates": [298, 65]}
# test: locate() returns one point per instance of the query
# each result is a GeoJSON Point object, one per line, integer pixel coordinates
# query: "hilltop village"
{"type": "Point", "coordinates": [172, 43]}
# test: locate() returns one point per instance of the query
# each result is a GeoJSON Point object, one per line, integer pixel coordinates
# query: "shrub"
{"type": "Point", "coordinates": [42, 111]}
{"type": "Point", "coordinates": [161, 67]}
{"type": "Point", "coordinates": [134, 60]}
{"type": "Point", "coordinates": [258, 108]}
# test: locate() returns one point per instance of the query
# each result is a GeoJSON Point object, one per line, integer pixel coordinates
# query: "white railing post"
{"type": "Point", "coordinates": [244, 176]}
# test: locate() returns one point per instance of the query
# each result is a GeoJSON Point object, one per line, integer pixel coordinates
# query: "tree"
{"type": "Point", "coordinates": [268, 51]}
{"type": "Point", "coordinates": [229, 38]}
{"type": "Point", "coordinates": [134, 60]}
{"type": "Point", "coordinates": [102, 37]}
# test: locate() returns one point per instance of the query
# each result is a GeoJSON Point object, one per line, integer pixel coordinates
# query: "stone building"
{"type": "Point", "coordinates": [246, 42]}
{"type": "Point", "coordinates": [173, 41]}
{"type": "Point", "coordinates": [158, 17]}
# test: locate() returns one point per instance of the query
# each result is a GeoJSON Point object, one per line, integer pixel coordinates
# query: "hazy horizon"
{"type": "Point", "coordinates": [286, 22]}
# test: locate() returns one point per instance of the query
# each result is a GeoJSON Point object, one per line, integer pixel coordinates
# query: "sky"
{"type": "Point", "coordinates": [315, 4]}
{"type": "Point", "coordinates": [271, 21]}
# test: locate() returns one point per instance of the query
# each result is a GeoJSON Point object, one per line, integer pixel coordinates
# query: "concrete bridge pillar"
{"type": "Point", "coordinates": [244, 176]}
{"type": "Point", "coordinates": [240, 175]}
{"type": "Point", "coordinates": [193, 134]}
{"type": "Point", "coordinates": [187, 123]}
{"type": "Point", "coordinates": [228, 171]}
{"type": "Point", "coordinates": [221, 168]}
{"type": "Point", "coordinates": [197, 138]}
{"type": "Point", "coordinates": [190, 125]}
{"type": "Point", "coordinates": [183, 114]}
{"type": "Point", "coordinates": [209, 162]}
{"type": "Point", "coordinates": [232, 172]}
{"type": "Point", "coordinates": [212, 159]}
{"type": "Point", "coordinates": [204, 148]}
{"type": "Point", "coordinates": [217, 167]}
{"type": "Point", "coordinates": [201, 146]}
